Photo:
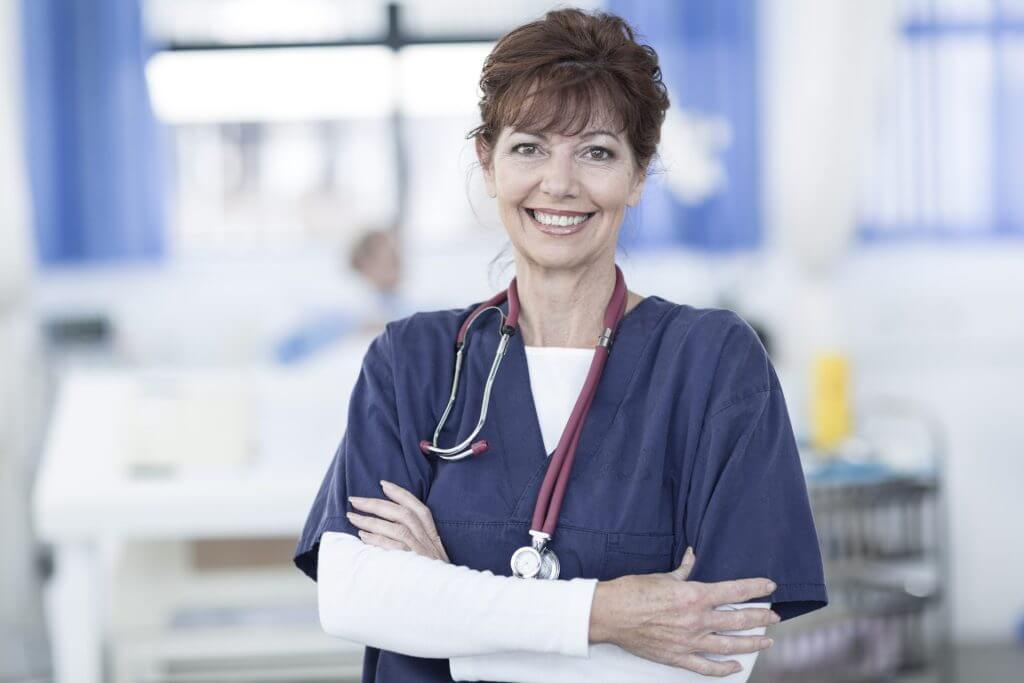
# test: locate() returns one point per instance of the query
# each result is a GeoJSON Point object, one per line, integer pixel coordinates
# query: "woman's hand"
{"type": "Point", "coordinates": [665, 618]}
{"type": "Point", "coordinates": [406, 524]}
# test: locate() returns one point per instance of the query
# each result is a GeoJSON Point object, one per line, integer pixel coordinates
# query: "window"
{"type": "Point", "coordinates": [951, 138]}
{"type": "Point", "coordinates": [297, 125]}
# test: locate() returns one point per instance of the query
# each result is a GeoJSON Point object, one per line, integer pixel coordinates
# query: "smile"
{"type": "Point", "coordinates": [572, 224]}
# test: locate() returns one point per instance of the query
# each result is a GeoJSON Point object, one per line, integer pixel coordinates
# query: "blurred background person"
{"type": "Point", "coordinates": [376, 258]}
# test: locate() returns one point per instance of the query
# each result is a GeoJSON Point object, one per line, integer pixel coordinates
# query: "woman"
{"type": "Point", "coordinates": [685, 499]}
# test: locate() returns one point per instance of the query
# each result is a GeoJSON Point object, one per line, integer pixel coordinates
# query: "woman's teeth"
{"type": "Point", "coordinates": [560, 221]}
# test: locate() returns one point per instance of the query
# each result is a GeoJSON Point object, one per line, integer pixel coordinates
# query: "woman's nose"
{"type": "Point", "coordinates": [559, 176]}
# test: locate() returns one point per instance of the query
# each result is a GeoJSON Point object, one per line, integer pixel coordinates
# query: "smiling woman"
{"type": "Point", "coordinates": [678, 439]}
{"type": "Point", "coordinates": [571, 118]}
{"type": "Point", "coordinates": [574, 185]}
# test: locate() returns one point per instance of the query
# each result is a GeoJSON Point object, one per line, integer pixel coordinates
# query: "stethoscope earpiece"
{"type": "Point", "coordinates": [477, 447]}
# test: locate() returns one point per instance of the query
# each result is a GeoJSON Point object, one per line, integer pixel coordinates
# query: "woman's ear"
{"type": "Point", "coordinates": [639, 179]}
{"type": "Point", "coordinates": [483, 154]}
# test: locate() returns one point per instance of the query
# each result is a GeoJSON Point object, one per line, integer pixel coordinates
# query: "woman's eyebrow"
{"type": "Point", "coordinates": [588, 134]}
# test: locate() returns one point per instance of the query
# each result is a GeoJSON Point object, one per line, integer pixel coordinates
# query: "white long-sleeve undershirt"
{"type": "Point", "coordinates": [490, 627]}
{"type": "Point", "coordinates": [401, 601]}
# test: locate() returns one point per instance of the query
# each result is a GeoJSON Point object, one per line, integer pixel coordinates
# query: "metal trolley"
{"type": "Point", "coordinates": [882, 530]}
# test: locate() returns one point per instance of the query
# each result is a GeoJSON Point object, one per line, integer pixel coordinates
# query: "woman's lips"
{"type": "Point", "coordinates": [557, 229]}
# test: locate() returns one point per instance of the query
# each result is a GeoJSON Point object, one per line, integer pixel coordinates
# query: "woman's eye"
{"type": "Point", "coordinates": [603, 153]}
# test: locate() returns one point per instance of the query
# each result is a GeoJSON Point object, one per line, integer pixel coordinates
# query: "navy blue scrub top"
{"type": "Point", "coordinates": [688, 442]}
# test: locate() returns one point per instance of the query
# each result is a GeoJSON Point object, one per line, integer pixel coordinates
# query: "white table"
{"type": "Point", "coordinates": [86, 501]}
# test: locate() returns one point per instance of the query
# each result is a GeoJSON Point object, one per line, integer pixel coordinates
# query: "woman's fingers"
{"type": "Point", "coordinates": [392, 530]}
{"type": "Point", "coordinates": [409, 521]}
{"type": "Point", "coordinates": [710, 667]}
{"type": "Point", "coordinates": [422, 512]}
{"type": "Point", "coordinates": [732, 645]}
{"type": "Point", "coordinates": [682, 572]}
{"type": "Point", "coordinates": [740, 620]}
{"type": "Point", "coordinates": [390, 511]}
{"type": "Point", "coordinates": [381, 541]}
{"type": "Point", "coordinates": [738, 590]}
{"type": "Point", "coordinates": [393, 512]}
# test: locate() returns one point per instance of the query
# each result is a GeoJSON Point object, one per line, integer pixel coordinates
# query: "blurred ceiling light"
{"type": "Point", "coordinates": [271, 84]}
{"type": "Point", "coordinates": [314, 83]}
{"type": "Point", "coordinates": [248, 21]}
{"type": "Point", "coordinates": [441, 80]}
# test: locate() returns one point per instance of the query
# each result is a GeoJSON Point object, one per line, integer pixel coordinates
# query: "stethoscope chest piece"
{"type": "Point", "coordinates": [535, 561]}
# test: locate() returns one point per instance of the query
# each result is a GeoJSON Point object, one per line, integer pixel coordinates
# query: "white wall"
{"type": "Point", "coordinates": [939, 324]}
{"type": "Point", "coordinates": [944, 325]}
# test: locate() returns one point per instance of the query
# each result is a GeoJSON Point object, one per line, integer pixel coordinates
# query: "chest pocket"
{"type": "Point", "coordinates": [581, 552]}
{"type": "Point", "coordinates": [489, 546]}
{"type": "Point", "coordinates": [634, 553]}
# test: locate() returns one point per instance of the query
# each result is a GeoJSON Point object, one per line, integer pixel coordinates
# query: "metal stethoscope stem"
{"type": "Point", "coordinates": [456, 452]}
{"type": "Point", "coordinates": [508, 328]}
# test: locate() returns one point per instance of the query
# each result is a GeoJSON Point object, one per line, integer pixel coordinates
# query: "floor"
{"type": "Point", "coordinates": [24, 654]}
{"type": "Point", "coordinates": [983, 663]}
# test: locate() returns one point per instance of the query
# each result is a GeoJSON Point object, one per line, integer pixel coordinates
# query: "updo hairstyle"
{"type": "Point", "coordinates": [562, 72]}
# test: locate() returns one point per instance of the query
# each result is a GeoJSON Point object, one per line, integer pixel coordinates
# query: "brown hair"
{"type": "Point", "coordinates": [580, 60]}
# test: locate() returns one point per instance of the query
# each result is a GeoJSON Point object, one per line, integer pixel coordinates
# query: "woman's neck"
{"type": "Point", "coordinates": [563, 308]}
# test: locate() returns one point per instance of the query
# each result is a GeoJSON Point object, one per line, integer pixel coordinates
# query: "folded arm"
{"type": "Point", "coordinates": [606, 663]}
{"type": "Point", "coordinates": [491, 627]}
{"type": "Point", "coordinates": [400, 601]}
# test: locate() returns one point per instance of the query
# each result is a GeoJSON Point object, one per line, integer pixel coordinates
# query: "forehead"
{"type": "Point", "coordinates": [569, 112]}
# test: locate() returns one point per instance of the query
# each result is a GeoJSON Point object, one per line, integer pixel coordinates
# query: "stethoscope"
{"type": "Point", "coordinates": [536, 560]}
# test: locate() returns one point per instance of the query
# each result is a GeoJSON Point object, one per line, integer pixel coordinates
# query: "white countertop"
{"type": "Point", "coordinates": [223, 452]}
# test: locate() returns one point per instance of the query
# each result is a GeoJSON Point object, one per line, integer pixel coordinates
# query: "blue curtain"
{"type": "Point", "coordinates": [707, 51]}
{"type": "Point", "coordinates": [93, 144]}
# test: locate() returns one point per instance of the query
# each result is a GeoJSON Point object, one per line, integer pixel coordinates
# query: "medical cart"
{"type": "Point", "coordinates": [882, 529]}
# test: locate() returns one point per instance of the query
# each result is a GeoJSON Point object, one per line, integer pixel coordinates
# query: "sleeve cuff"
{"type": "Point", "coordinates": [795, 599]}
{"type": "Point", "coordinates": [550, 616]}
{"type": "Point", "coordinates": [576, 627]}
{"type": "Point", "coordinates": [568, 627]}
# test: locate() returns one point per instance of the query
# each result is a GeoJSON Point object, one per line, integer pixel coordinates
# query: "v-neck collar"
{"type": "Point", "coordinates": [520, 442]}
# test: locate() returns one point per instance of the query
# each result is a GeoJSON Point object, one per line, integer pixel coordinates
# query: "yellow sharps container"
{"type": "Point", "coordinates": [830, 400]}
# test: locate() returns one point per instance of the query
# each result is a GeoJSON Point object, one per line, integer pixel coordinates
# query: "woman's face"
{"type": "Point", "coordinates": [591, 173]}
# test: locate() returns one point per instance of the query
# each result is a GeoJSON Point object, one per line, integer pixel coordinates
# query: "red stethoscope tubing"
{"type": "Point", "coordinates": [556, 479]}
